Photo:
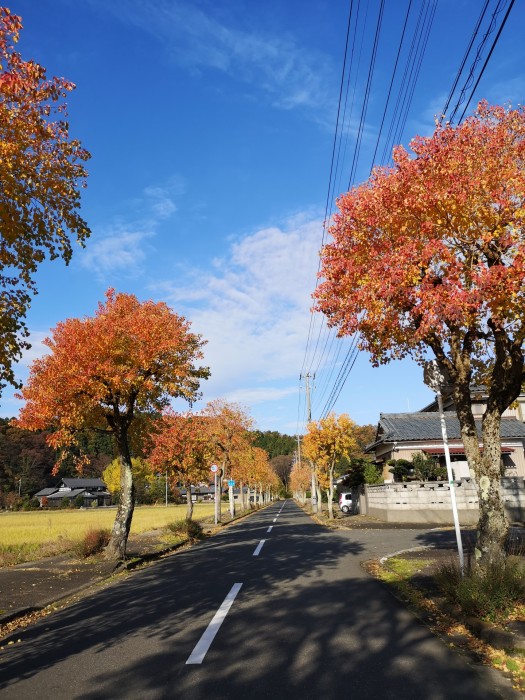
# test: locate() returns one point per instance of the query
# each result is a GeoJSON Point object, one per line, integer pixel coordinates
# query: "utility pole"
{"type": "Point", "coordinates": [308, 403]}
{"type": "Point", "coordinates": [313, 487]}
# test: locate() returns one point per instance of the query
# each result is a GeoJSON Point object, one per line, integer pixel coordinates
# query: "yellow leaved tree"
{"type": "Point", "coordinates": [325, 443]}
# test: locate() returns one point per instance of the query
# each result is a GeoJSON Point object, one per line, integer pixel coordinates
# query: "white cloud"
{"type": "Point", "coordinates": [116, 252]}
{"type": "Point", "coordinates": [259, 395]}
{"type": "Point", "coordinates": [162, 206]}
{"type": "Point", "coordinates": [289, 75]}
{"type": "Point", "coordinates": [122, 247]}
{"type": "Point", "coordinates": [253, 309]}
{"type": "Point", "coordinates": [37, 349]}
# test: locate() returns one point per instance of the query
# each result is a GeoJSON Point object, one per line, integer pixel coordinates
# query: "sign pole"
{"type": "Point", "coordinates": [436, 381]}
{"type": "Point", "coordinates": [214, 468]}
{"type": "Point", "coordinates": [451, 483]}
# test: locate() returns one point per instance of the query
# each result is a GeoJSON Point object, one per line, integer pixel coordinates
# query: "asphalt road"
{"type": "Point", "coordinates": [273, 607]}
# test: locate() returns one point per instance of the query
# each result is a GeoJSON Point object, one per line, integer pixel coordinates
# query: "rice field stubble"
{"type": "Point", "coordinates": [25, 536]}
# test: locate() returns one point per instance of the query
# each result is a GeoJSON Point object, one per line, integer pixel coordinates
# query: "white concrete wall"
{"type": "Point", "coordinates": [429, 501]}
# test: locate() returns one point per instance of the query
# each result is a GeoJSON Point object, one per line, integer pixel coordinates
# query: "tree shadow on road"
{"type": "Point", "coordinates": [307, 623]}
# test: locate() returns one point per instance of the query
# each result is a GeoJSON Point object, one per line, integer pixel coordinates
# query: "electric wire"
{"type": "Point", "coordinates": [391, 84]}
{"type": "Point", "coordinates": [417, 50]}
{"type": "Point", "coordinates": [364, 108]}
{"type": "Point", "coordinates": [465, 58]}
{"type": "Point", "coordinates": [310, 329]}
{"type": "Point", "coordinates": [496, 39]}
{"type": "Point", "coordinates": [348, 363]}
{"type": "Point", "coordinates": [405, 95]}
{"type": "Point", "coordinates": [470, 78]}
{"type": "Point", "coordinates": [421, 49]}
{"type": "Point", "coordinates": [397, 125]}
{"type": "Point", "coordinates": [333, 179]}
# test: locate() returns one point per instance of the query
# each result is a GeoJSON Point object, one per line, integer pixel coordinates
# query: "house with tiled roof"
{"type": "Point", "coordinates": [403, 435]}
{"type": "Point", "coordinates": [92, 490]}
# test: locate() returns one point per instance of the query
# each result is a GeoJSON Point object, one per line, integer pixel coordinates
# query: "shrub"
{"type": "Point", "coordinates": [400, 468]}
{"type": "Point", "coordinates": [93, 542]}
{"type": "Point", "coordinates": [428, 468]}
{"type": "Point", "coordinates": [371, 474]}
{"type": "Point", "coordinates": [79, 501]}
{"type": "Point", "coordinates": [489, 592]}
{"type": "Point", "coordinates": [186, 528]}
{"type": "Point", "coordinates": [65, 503]}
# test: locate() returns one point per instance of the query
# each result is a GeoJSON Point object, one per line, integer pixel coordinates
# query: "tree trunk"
{"type": "Point", "coordinates": [218, 494]}
{"type": "Point", "coordinates": [189, 503]}
{"type": "Point", "coordinates": [492, 524]}
{"type": "Point", "coordinates": [330, 494]}
{"type": "Point", "coordinates": [485, 467]}
{"type": "Point", "coordinates": [319, 498]}
{"type": "Point", "coordinates": [330, 504]}
{"type": "Point", "coordinates": [116, 549]}
{"type": "Point", "coordinates": [231, 498]}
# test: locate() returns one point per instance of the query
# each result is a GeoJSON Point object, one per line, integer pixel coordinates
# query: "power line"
{"type": "Point", "coordinates": [477, 58]}
{"type": "Point", "coordinates": [414, 63]}
{"type": "Point", "coordinates": [364, 108]}
{"type": "Point", "coordinates": [325, 345]}
{"type": "Point", "coordinates": [327, 205]}
{"type": "Point", "coordinates": [465, 57]}
{"type": "Point", "coordinates": [391, 84]}
{"type": "Point", "coordinates": [487, 59]}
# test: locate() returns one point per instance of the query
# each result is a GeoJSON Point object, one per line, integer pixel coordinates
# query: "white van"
{"type": "Point", "coordinates": [345, 502]}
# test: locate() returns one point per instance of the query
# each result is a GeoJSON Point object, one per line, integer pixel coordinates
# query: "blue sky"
{"type": "Point", "coordinates": [211, 125]}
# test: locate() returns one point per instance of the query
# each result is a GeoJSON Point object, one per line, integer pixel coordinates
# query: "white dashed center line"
{"type": "Point", "coordinates": [204, 643]}
{"type": "Point", "coordinates": [258, 548]}
{"type": "Point", "coordinates": [269, 529]}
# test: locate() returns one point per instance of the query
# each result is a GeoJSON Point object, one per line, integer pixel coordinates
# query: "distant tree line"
{"type": "Point", "coordinates": [27, 461]}
{"type": "Point", "coordinates": [275, 443]}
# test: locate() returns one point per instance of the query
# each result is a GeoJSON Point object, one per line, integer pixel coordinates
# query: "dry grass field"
{"type": "Point", "coordinates": [27, 535]}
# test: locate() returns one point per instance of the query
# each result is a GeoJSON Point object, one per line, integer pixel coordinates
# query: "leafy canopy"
{"type": "Point", "coordinates": [327, 440]}
{"type": "Point", "coordinates": [131, 358]}
{"type": "Point", "coordinates": [41, 171]}
{"type": "Point", "coordinates": [182, 446]}
{"type": "Point", "coordinates": [432, 250]}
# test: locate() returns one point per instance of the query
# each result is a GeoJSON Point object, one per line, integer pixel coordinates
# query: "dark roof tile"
{"type": "Point", "coordinates": [427, 426]}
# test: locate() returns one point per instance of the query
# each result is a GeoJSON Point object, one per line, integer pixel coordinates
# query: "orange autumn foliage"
{"type": "Point", "coordinates": [433, 246]}
{"type": "Point", "coordinates": [181, 445]}
{"type": "Point", "coordinates": [42, 171]}
{"type": "Point", "coordinates": [113, 372]}
{"type": "Point", "coordinates": [106, 371]}
{"type": "Point", "coordinates": [429, 255]}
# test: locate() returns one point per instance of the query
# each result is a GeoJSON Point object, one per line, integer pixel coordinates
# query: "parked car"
{"type": "Point", "coordinates": [345, 502]}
